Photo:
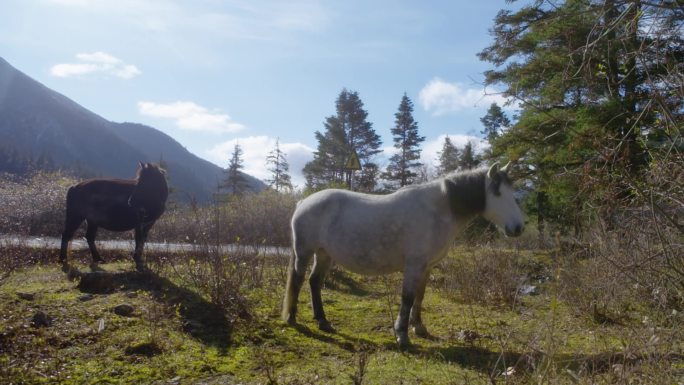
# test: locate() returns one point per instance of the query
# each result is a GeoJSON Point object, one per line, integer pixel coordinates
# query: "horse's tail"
{"type": "Point", "coordinates": [290, 295]}
{"type": "Point", "coordinates": [71, 201]}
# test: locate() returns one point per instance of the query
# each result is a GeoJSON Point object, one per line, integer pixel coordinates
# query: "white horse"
{"type": "Point", "coordinates": [409, 230]}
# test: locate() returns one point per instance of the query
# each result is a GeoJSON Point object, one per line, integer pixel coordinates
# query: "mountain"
{"type": "Point", "coordinates": [39, 123]}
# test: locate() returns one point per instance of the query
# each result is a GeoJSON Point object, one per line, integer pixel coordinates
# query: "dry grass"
{"type": "Point", "coordinates": [33, 205]}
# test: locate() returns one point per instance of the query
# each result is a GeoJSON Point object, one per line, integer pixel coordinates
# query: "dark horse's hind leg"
{"type": "Point", "coordinates": [70, 226]}
{"type": "Point", "coordinates": [318, 273]}
{"type": "Point", "coordinates": [91, 232]}
{"type": "Point", "coordinates": [140, 238]}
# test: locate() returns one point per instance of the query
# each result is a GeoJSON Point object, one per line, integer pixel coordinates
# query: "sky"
{"type": "Point", "coordinates": [212, 73]}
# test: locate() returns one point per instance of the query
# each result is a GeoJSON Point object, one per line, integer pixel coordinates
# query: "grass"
{"type": "Point", "coordinates": [177, 334]}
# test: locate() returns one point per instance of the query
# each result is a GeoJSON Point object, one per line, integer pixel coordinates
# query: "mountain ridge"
{"type": "Point", "coordinates": [36, 121]}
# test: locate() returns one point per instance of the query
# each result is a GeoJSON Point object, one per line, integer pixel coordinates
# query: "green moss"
{"type": "Point", "coordinates": [541, 336]}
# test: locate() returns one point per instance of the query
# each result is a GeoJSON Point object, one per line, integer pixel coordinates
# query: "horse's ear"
{"type": "Point", "coordinates": [493, 172]}
{"type": "Point", "coordinates": [141, 164]}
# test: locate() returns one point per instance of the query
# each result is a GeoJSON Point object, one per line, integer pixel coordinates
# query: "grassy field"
{"type": "Point", "coordinates": [198, 319]}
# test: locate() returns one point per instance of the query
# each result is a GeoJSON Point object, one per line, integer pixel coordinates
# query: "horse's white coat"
{"type": "Point", "coordinates": [409, 230]}
{"type": "Point", "coordinates": [375, 234]}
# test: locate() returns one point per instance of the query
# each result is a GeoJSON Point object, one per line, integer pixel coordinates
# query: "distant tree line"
{"type": "Point", "coordinates": [348, 132]}
{"type": "Point", "coordinates": [16, 163]}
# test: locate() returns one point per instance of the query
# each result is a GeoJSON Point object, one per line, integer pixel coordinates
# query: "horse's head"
{"type": "Point", "coordinates": [151, 189]}
{"type": "Point", "coordinates": [501, 207]}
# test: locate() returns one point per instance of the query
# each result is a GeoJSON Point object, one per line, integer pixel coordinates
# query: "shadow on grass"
{"type": "Point", "coordinates": [493, 363]}
{"type": "Point", "coordinates": [339, 280]}
{"type": "Point", "coordinates": [347, 342]}
{"type": "Point", "coordinates": [202, 319]}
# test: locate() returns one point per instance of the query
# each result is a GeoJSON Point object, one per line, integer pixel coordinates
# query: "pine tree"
{"type": "Point", "coordinates": [345, 132]}
{"type": "Point", "coordinates": [494, 121]}
{"type": "Point", "coordinates": [468, 159]}
{"type": "Point", "coordinates": [448, 157]}
{"type": "Point", "coordinates": [235, 182]}
{"type": "Point", "coordinates": [277, 165]}
{"type": "Point", "coordinates": [584, 73]}
{"type": "Point", "coordinates": [404, 164]}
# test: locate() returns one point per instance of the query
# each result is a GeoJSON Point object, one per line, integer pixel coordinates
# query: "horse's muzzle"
{"type": "Point", "coordinates": [515, 230]}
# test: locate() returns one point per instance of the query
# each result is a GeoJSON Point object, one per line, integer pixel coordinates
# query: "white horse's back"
{"type": "Point", "coordinates": [368, 234]}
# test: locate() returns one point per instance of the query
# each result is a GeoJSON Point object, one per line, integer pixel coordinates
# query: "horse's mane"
{"type": "Point", "coordinates": [467, 176]}
{"type": "Point", "coordinates": [465, 191]}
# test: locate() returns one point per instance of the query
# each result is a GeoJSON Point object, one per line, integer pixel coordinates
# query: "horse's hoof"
{"type": "Point", "coordinates": [403, 341]}
{"type": "Point", "coordinates": [291, 321]}
{"type": "Point", "coordinates": [325, 326]}
{"type": "Point", "coordinates": [421, 331]}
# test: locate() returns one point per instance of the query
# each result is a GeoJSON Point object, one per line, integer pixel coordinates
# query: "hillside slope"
{"type": "Point", "coordinates": [37, 122]}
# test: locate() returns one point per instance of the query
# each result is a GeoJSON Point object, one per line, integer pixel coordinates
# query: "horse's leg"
{"type": "Point", "coordinates": [91, 232]}
{"type": "Point", "coordinates": [295, 279]}
{"type": "Point", "coordinates": [70, 226]}
{"type": "Point", "coordinates": [412, 277]}
{"type": "Point", "coordinates": [140, 239]}
{"type": "Point", "coordinates": [415, 319]}
{"type": "Point", "coordinates": [318, 272]}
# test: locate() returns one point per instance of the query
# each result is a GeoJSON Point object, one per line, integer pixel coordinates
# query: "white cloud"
{"type": "Point", "coordinates": [96, 62]}
{"type": "Point", "coordinates": [190, 116]}
{"type": "Point", "coordinates": [255, 149]}
{"type": "Point", "coordinates": [439, 97]}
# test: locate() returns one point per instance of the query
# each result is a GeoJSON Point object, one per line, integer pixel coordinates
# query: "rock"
{"type": "Point", "coordinates": [97, 282]}
{"type": "Point", "coordinates": [100, 325]}
{"type": "Point", "coordinates": [124, 310]}
{"type": "Point", "coordinates": [26, 296]}
{"type": "Point", "coordinates": [40, 320]}
{"type": "Point", "coordinates": [86, 297]}
{"type": "Point", "coordinates": [467, 335]}
{"type": "Point", "coordinates": [528, 290]}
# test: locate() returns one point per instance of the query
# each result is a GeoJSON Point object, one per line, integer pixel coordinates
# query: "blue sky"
{"type": "Point", "coordinates": [213, 72]}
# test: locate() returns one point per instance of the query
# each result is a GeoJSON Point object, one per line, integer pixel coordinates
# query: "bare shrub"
{"type": "Point", "coordinates": [185, 224]}
{"type": "Point", "coordinates": [256, 219]}
{"type": "Point", "coordinates": [33, 205]}
{"type": "Point", "coordinates": [486, 275]}
{"type": "Point", "coordinates": [253, 219]}
{"type": "Point", "coordinates": [635, 249]}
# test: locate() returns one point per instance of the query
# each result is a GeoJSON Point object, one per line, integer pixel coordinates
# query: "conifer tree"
{"type": "Point", "coordinates": [468, 159]}
{"type": "Point", "coordinates": [448, 158]}
{"type": "Point", "coordinates": [599, 90]}
{"type": "Point", "coordinates": [403, 166]}
{"type": "Point", "coordinates": [235, 182]}
{"type": "Point", "coordinates": [277, 165]}
{"type": "Point", "coordinates": [345, 132]}
{"type": "Point", "coordinates": [494, 121]}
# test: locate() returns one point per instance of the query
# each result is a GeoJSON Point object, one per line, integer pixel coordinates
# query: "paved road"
{"type": "Point", "coordinates": [79, 243]}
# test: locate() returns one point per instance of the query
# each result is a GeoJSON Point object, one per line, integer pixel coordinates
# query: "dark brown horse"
{"type": "Point", "coordinates": [116, 205]}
